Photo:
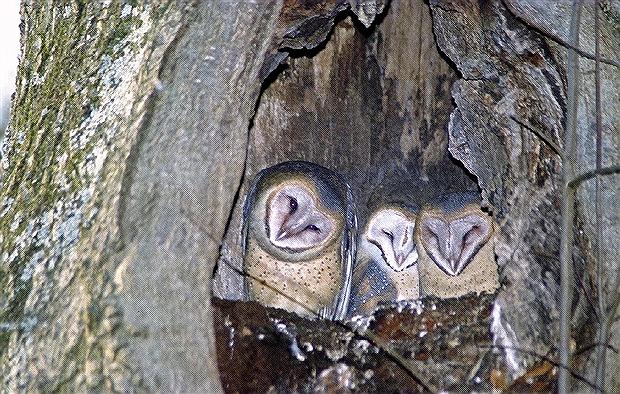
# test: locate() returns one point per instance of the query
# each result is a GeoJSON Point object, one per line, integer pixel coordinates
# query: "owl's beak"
{"type": "Point", "coordinates": [454, 265]}
{"type": "Point", "coordinates": [400, 259]}
{"type": "Point", "coordinates": [288, 229]}
{"type": "Point", "coordinates": [283, 233]}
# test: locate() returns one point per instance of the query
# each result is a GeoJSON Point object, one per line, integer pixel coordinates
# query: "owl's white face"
{"type": "Point", "coordinates": [452, 242]}
{"type": "Point", "coordinates": [295, 221]}
{"type": "Point", "coordinates": [389, 237]}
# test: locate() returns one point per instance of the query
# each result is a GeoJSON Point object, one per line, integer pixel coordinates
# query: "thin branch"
{"type": "Point", "coordinates": [601, 350]}
{"type": "Point", "coordinates": [562, 367]}
{"type": "Point", "coordinates": [574, 183]}
{"type": "Point", "coordinates": [397, 358]}
{"type": "Point", "coordinates": [568, 201]}
{"type": "Point", "coordinates": [579, 278]}
{"type": "Point", "coordinates": [540, 134]}
{"type": "Point", "coordinates": [270, 287]}
{"type": "Point", "coordinates": [613, 311]}
{"type": "Point", "coordinates": [593, 345]}
{"type": "Point", "coordinates": [582, 285]}
{"type": "Point", "coordinates": [558, 40]}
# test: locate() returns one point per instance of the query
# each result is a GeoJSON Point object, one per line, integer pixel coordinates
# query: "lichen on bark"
{"type": "Point", "coordinates": [81, 90]}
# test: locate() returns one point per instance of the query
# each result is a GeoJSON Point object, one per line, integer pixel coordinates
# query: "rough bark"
{"type": "Point", "coordinates": [446, 342]}
{"type": "Point", "coordinates": [83, 88]}
{"type": "Point", "coordinates": [125, 150]}
{"type": "Point", "coordinates": [513, 88]}
{"type": "Point", "coordinates": [555, 21]}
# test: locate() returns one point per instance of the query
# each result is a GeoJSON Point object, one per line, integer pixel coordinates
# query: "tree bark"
{"type": "Point", "coordinates": [512, 90]}
{"type": "Point", "coordinates": [136, 127]}
{"type": "Point", "coordinates": [125, 149]}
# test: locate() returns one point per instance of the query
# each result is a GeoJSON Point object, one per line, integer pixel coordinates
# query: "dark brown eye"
{"type": "Point", "coordinates": [312, 227]}
{"type": "Point", "coordinates": [292, 203]}
{"type": "Point", "coordinates": [389, 234]}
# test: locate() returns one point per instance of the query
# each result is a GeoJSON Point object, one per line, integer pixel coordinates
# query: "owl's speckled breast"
{"type": "Point", "coordinates": [291, 285]}
{"type": "Point", "coordinates": [406, 282]}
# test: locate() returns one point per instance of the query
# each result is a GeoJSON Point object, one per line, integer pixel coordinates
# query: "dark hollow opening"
{"type": "Point", "coordinates": [373, 105]}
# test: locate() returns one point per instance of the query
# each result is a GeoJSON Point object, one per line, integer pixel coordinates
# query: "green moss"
{"type": "Point", "coordinates": [121, 31]}
{"type": "Point", "coordinates": [68, 68]}
{"type": "Point", "coordinates": [63, 64]}
{"type": "Point", "coordinates": [46, 139]}
{"type": "Point", "coordinates": [5, 336]}
{"type": "Point", "coordinates": [95, 316]}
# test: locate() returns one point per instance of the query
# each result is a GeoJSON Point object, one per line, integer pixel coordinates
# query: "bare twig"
{"type": "Point", "coordinates": [397, 358]}
{"type": "Point", "coordinates": [560, 366]}
{"type": "Point", "coordinates": [582, 286]}
{"type": "Point", "coordinates": [241, 272]}
{"type": "Point", "coordinates": [591, 346]}
{"type": "Point", "coordinates": [613, 313]}
{"type": "Point", "coordinates": [574, 183]}
{"type": "Point", "coordinates": [579, 278]}
{"type": "Point", "coordinates": [568, 201]}
{"type": "Point", "coordinates": [601, 349]}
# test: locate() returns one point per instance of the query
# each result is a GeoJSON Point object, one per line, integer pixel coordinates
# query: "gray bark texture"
{"type": "Point", "coordinates": [513, 82]}
{"type": "Point", "coordinates": [136, 128]}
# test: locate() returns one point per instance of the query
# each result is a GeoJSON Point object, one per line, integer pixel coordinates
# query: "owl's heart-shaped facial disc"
{"type": "Point", "coordinates": [294, 219]}
{"type": "Point", "coordinates": [453, 243]}
{"type": "Point", "coordinates": [391, 234]}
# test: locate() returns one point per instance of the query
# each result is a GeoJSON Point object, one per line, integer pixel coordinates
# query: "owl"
{"type": "Point", "coordinates": [455, 241]}
{"type": "Point", "coordinates": [299, 240]}
{"type": "Point", "coordinates": [386, 266]}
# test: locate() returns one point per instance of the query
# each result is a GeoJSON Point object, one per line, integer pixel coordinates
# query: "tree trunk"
{"type": "Point", "coordinates": [135, 129]}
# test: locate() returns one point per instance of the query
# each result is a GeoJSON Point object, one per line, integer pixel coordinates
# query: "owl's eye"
{"type": "Point", "coordinates": [471, 233]}
{"type": "Point", "coordinates": [292, 203]}
{"type": "Point", "coordinates": [312, 227]}
{"type": "Point", "coordinates": [389, 234]}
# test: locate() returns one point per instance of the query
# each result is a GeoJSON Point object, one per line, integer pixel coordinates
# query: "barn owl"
{"type": "Point", "coordinates": [386, 267]}
{"type": "Point", "coordinates": [455, 241]}
{"type": "Point", "coordinates": [299, 240]}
